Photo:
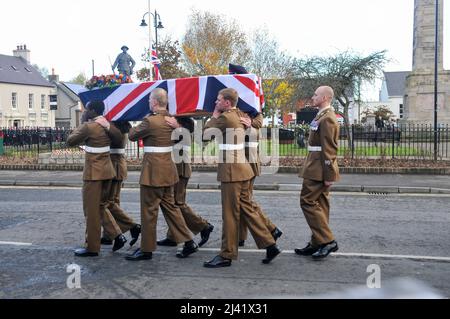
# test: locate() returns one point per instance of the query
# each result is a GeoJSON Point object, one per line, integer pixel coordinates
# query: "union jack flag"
{"type": "Point", "coordinates": [156, 64]}
{"type": "Point", "coordinates": [129, 102]}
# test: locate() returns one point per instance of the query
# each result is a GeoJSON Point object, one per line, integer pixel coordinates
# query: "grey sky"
{"type": "Point", "coordinates": [67, 35]}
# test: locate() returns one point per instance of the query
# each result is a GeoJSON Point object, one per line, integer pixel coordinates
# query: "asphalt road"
{"type": "Point", "coordinates": [406, 236]}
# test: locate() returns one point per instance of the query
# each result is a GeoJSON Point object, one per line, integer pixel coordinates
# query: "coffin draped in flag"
{"type": "Point", "coordinates": [129, 102]}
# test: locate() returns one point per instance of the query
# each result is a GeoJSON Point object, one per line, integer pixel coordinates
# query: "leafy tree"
{"type": "Point", "coordinates": [170, 55]}
{"type": "Point", "coordinates": [275, 67]}
{"type": "Point", "coordinates": [79, 79]}
{"type": "Point", "coordinates": [342, 72]}
{"type": "Point", "coordinates": [211, 42]}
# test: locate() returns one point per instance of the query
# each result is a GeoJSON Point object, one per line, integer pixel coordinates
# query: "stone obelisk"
{"type": "Point", "coordinates": [419, 93]}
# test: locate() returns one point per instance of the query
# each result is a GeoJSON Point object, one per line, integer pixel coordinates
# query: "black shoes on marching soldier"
{"type": "Point", "coordinates": [306, 251]}
{"type": "Point", "coordinates": [318, 252]}
{"type": "Point", "coordinates": [217, 262]}
{"type": "Point", "coordinates": [119, 242]}
{"type": "Point", "coordinates": [166, 242]}
{"type": "Point", "coordinates": [189, 248]}
{"type": "Point", "coordinates": [139, 255]}
{"type": "Point", "coordinates": [325, 250]}
{"type": "Point", "coordinates": [271, 252]}
{"type": "Point", "coordinates": [135, 232]}
{"type": "Point", "coordinates": [83, 252]}
{"type": "Point", "coordinates": [205, 234]}
{"type": "Point", "coordinates": [276, 233]}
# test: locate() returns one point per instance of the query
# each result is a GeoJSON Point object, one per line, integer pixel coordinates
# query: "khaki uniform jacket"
{"type": "Point", "coordinates": [238, 170]}
{"type": "Point", "coordinates": [97, 167]}
{"type": "Point", "coordinates": [181, 153]}
{"type": "Point", "coordinates": [252, 153]}
{"type": "Point", "coordinates": [322, 166]}
{"type": "Point", "coordinates": [158, 169]}
{"type": "Point", "coordinates": [118, 160]}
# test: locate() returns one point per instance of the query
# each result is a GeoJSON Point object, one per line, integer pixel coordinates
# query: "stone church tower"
{"type": "Point", "coordinates": [419, 93]}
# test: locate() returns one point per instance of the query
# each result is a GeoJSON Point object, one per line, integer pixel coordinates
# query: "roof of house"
{"type": "Point", "coordinates": [396, 82]}
{"type": "Point", "coordinates": [16, 70]}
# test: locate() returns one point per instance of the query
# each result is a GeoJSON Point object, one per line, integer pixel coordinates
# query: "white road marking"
{"type": "Point", "coordinates": [364, 255]}
{"type": "Point", "coordinates": [15, 243]}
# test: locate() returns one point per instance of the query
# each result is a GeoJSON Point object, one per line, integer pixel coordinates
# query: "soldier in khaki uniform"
{"type": "Point", "coordinates": [124, 221]}
{"type": "Point", "coordinates": [252, 155]}
{"type": "Point", "coordinates": [158, 177]}
{"type": "Point", "coordinates": [235, 174]}
{"type": "Point", "coordinates": [97, 175]}
{"type": "Point", "coordinates": [319, 173]}
{"type": "Point", "coordinates": [184, 126]}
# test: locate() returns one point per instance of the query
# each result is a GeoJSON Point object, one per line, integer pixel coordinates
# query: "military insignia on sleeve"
{"type": "Point", "coordinates": [328, 163]}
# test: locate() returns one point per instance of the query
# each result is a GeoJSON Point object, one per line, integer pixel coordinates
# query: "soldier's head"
{"type": "Point", "coordinates": [92, 110]}
{"type": "Point", "coordinates": [227, 99]}
{"type": "Point", "coordinates": [158, 100]}
{"type": "Point", "coordinates": [323, 97]}
{"type": "Point", "coordinates": [124, 49]}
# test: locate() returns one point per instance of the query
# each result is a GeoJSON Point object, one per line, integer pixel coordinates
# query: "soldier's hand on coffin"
{"type": "Point", "coordinates": [172, 122]}
{"type": "Point", "coordinates": [246, 121]}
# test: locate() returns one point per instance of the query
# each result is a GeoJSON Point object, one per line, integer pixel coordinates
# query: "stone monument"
{"type": "Point", "coordinates": [419, 93]}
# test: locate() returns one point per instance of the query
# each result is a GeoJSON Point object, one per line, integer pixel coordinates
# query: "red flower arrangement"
{"type": "Point", "coordinates": [107, 81]}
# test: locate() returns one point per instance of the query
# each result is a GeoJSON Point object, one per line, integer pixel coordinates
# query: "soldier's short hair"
{"type": "Point", "coordinates": [160, 95]}
{"type": "Point", "coordinates": [97, 106]}
{"type": "Point", "coordinates": [231, 95]}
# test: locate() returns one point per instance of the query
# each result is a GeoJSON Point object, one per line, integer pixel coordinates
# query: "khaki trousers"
{"type": "Point", "coordinates": [120, 222]}
{"type": "Point", "coordinates": [315, 204]}
{"type": "Point", "coordinates": [236, 204]}
{"type": "Point", "coordinates": [194, 222]}
{"type": "Point", "coordinates": [151, 199]}
{"type": "Point", "coordinates": [95, 199]}
{"type": "Point", "coordinates": [243, 229]}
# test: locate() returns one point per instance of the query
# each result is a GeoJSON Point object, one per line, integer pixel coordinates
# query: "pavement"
{"type": "Point", "coordinates": [364, 183]}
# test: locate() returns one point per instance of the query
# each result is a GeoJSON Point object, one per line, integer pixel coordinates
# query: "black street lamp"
{"type": "Point", "coordinates": [157, 24]}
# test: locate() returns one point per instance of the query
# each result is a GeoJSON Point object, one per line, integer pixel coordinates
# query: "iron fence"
{"type": "Point", "coordinates": [355, 141]}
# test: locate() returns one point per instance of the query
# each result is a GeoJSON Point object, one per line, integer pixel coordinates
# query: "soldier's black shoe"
{"type": "Point", "coordinates": [306, 251]}
{"type": "Point", "coordinates": [139, 255]}
{"type": "Point", "coordinates": [119, 242]}
{"type": "Point", "coordinates": [166, 242]}
{"type": "Point", "coordinates": [241, 243]}
{"type": "Point", "coordinates": [106, 241]}
{"type": "Point", "coordinates": [217, 262]}
{"type": "Point", "coordinates": [271, 252]}
{"type": "Point", "coordinates": [205, 234]}
{"type": "Point", "coordinates": [189, 248]}
{"type": "Point", "coordinates": [135, 232]}
{"type": "Point", "coordinates": [83, 252]}
{"type": "Point", "coordinates": [325, 250]}
{"type": "Point", "coordinates": [276, 233]}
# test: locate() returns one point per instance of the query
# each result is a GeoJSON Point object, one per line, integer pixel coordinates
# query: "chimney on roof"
{"type": "Point", "coordinates": [53, 77]}
{"type": "Point", "coordinates": [22, 52]}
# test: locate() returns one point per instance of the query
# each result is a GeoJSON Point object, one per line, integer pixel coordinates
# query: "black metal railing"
{"type": "Point", "coordinates": [356, 141]}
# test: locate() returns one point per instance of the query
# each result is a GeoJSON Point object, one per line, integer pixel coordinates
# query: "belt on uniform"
{"type": "Point", "coordinates": [157, 149]}
{"type": "Point", "coordinates": [231, 147]}
{"type": "Point", "coordinates": [315, 148]}
{"type": "Point", "coordinates": [117, 151]}
{"type": "Point", "coordinates": [252, 144]}
{"type": "Point", "coordinates": [96, 150]}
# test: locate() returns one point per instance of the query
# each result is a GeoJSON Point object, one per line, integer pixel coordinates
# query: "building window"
{"type": "Point", "coordinates": [42, 102]}
{"type": "Point", "coordinates": [30, 101]}
{"type": "Point", "coordinates": [401, 111]}
{"type": "Point", "coordinates": [14, 100]}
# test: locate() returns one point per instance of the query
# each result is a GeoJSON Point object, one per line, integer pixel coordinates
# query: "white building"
{"type": "Point", "coordinates": [24, 93]}
{"type": "Point", "coordinates": [393, 91]}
